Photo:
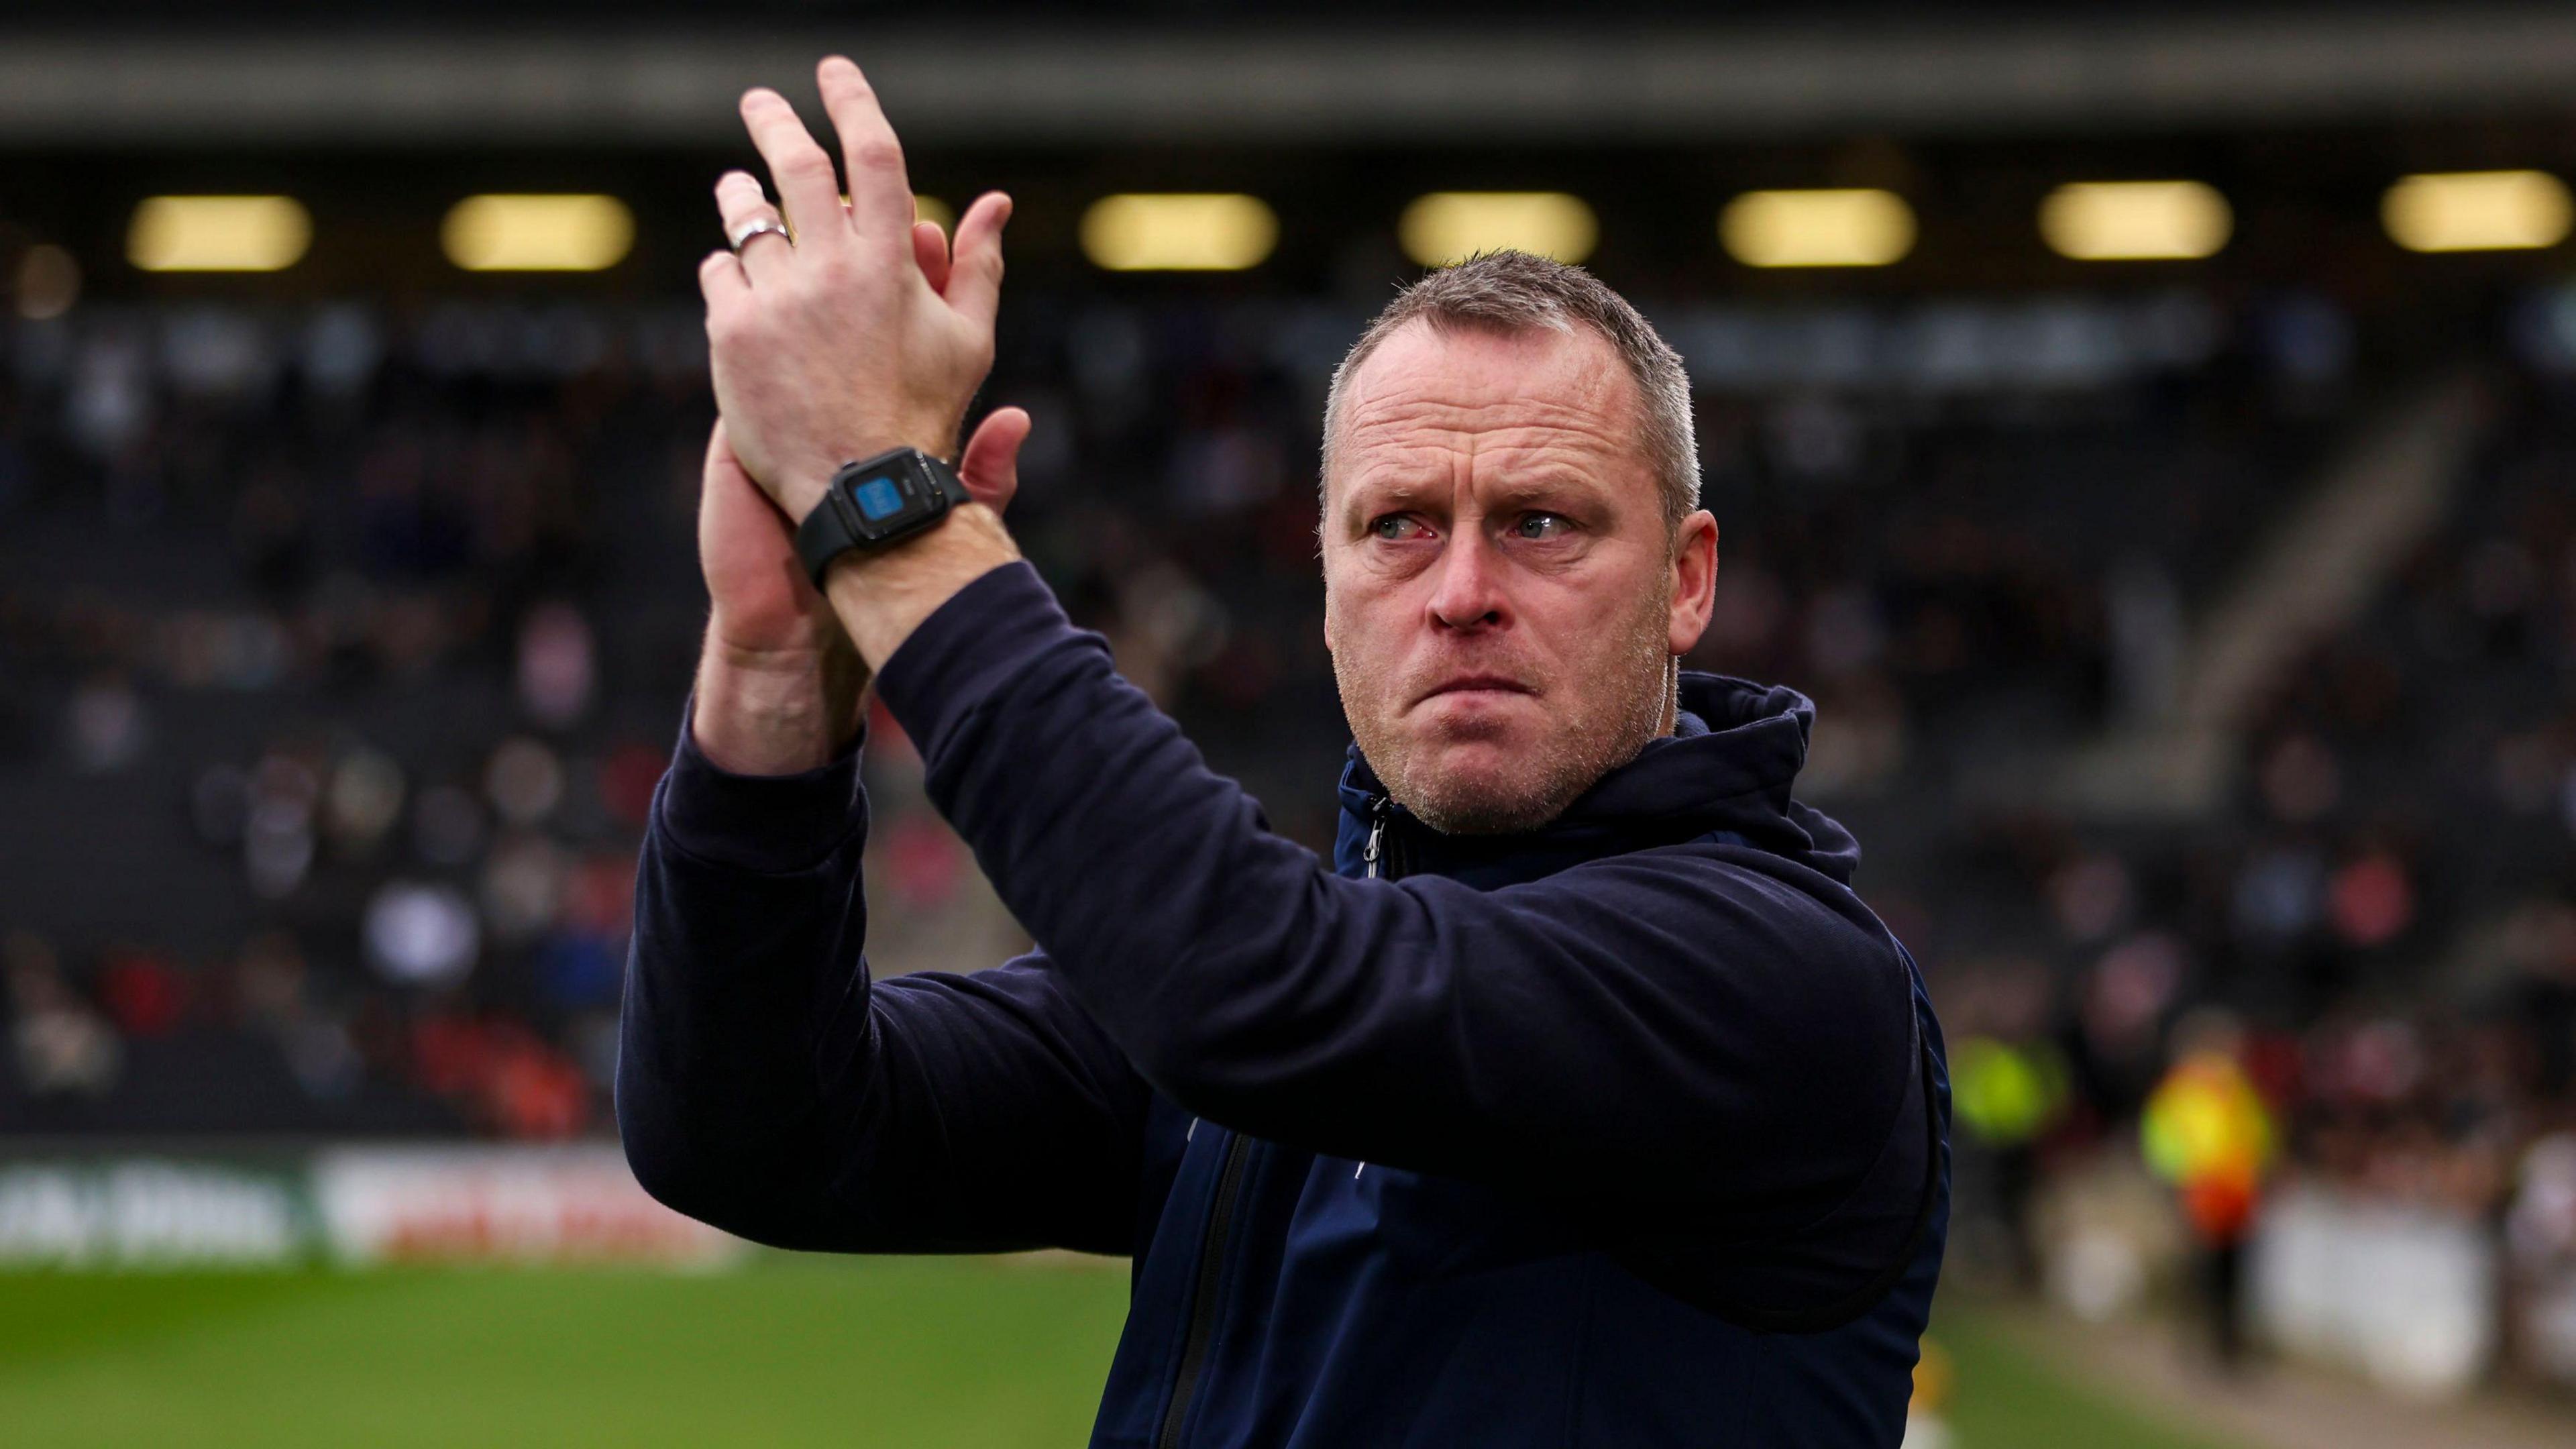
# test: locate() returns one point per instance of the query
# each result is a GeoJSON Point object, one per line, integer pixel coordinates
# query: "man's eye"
{"type": "Point", "coordinates": [1541, 525]}
{"type": "Point", "coordinates": [1397, 526]}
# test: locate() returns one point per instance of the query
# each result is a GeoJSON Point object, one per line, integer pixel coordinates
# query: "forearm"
{"type": "Point", "coordinates": [744, 967]}
{"type": "Point", "coordinates": [776, 712]}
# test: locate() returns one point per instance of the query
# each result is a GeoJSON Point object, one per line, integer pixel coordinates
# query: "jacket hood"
{"type": "Point", "coordinates": [1726, 770]}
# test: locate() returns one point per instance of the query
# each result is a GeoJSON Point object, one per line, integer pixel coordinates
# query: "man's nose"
{"type": "Point", "coordinates": [1468, 590]}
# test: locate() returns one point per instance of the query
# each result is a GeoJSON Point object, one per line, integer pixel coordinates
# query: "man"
{"type": "Point", "coordinates": [1577, 1102]}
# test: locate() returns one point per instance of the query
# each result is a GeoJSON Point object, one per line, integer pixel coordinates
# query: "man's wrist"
{"type": "Point", "coordinates": [790, 820]}
{"type": "Point", "coordinates": [806, 486]}
{"type": "Point", "coordinates": [775, 712]}
{"type": "Point", "coordinates": [882, 595]}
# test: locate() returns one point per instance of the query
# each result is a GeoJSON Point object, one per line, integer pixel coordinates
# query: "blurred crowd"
{"type": "Point", "coordinates": [341, 650]}
{"type": "Point", "coordinates": [2378, 933]}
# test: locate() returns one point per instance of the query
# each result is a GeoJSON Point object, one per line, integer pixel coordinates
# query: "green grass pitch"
{"type": "Point", "coordinates": [919, 1353]}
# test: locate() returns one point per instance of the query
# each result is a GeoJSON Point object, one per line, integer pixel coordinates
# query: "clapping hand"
{"type": "Point", "coordinates": [838, 331]}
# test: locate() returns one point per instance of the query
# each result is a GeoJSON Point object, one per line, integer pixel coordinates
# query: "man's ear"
{"type": "Point", "coordinates": [1323, 557]}
{"type": "Point", "coordinates": [1694, 580]}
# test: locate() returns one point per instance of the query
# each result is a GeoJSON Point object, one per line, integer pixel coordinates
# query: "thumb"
{"type": "Point", "coordinates": [990, 466]}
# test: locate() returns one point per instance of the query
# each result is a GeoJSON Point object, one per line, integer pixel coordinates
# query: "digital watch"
{"type": "Point", "coordinates": [874, 502]}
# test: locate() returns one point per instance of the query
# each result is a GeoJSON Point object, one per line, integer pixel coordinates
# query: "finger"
{"type": "Point", "coordinates": [975, 280]}
{"type": "Point", "coordinates": [720, 458]}
{"type": "Point", "coordinates": [721, 282]}
{"type": "Point", "coordinates": [725, 473]}
{"type": "Point", "coordinates": [799, 168]}
{"type": "Point", "coordinates": [739, 203]}
{"type": "Point", "coordinates": [930, 249]}
{"type": "Point", "coordinates": [880, 194]}
{"type": "Point", "coordinates": [721, 466]}
{"type": "Point", "coordinates": [990, 466]}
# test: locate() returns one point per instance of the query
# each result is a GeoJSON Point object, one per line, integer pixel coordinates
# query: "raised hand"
{"type": "Point", "coordinates": [864, 332]}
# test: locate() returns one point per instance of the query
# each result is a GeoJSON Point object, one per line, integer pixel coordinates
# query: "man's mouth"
{"type": "Point", "coordinates": [1479, 683]}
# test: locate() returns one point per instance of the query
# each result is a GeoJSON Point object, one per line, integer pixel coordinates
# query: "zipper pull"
{"type": "Point", "coordinates": [1377, 832]}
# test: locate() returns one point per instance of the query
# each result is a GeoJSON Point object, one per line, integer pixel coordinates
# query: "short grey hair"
{"type": "Point", "coordinates": [1515, 292]}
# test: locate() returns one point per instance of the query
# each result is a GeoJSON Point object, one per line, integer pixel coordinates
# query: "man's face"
{"type": "Point", "coordinates": [1501, 596]}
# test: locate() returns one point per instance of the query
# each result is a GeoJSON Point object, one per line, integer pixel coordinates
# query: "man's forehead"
{"type": "Point", "coordinates": [1428, 389]}
{"type": "Point", "coordinates": [1470, 370]}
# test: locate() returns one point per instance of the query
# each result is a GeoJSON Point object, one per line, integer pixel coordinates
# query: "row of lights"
{"type": "Point", "coordinates": [529, 233]}
{"type": "Point", "coordinates": [1849, 227]}
{"type": "Point", "coordinates": [2092, 221]}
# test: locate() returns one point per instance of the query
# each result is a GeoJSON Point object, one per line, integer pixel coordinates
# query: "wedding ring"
{"type": "Point", "coordinates": [756, 228]}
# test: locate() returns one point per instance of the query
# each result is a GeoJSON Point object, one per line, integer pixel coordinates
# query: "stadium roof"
{"type": "Point", "coordinates": [997, 78]}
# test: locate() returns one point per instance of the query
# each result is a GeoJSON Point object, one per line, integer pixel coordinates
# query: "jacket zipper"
{"type": "Point", "coordinates": [1229, 1186]}
{"type": "Point", "coordinates": [1371, 853]}
{"type": "Point", "coordinates": [1203, 1297]}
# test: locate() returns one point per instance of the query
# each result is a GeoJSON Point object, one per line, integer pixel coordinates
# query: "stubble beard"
{"type": "Point", "coordinates": [1569, 760]}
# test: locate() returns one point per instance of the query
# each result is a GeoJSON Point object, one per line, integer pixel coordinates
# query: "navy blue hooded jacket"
{"type": "Point", "coordinates": [1630, 1130]}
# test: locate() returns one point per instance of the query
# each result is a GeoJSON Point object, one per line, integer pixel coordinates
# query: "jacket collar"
{"type": "Point", "coordinates": [1725, 772]}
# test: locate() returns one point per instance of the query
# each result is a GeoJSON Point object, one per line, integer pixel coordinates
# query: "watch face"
{"type": "Point", "coordinates": [871, 502]}
{"type": "Point", "coordinates": [878, 499]}
{"type": "Point", "coordinates": [891, 496]}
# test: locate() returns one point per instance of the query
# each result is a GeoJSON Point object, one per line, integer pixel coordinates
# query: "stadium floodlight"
{"type": "Point", "coordinates": [218, 234]}
{"type": "Point", "coordinates": [1827, 227]}
{"type": "Point", "coordinates": [538, 233]}
{"type": "Point", "coordinates": [2477, 211]}
{"type": "Point", "coordinates": [1451, 226]}
{"type": "Point", "coordinates": [1179, 232]}
{"type": "Point", "coordinates": [2130, 221]}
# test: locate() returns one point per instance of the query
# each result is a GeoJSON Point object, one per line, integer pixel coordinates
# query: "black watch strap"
{"type": "Point", "coordinates": [837, 524]}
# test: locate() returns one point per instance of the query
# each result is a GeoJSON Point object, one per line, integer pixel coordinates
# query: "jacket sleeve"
{"type": "Point", "coordinates": [1694, 1026]}
{"type": "Point", "coordinates": [765, 1085]}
